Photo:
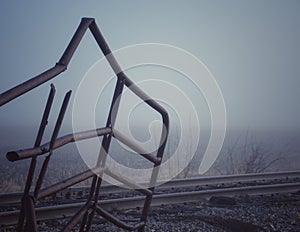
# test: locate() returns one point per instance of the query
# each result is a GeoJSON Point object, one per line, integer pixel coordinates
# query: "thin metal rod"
{"type": "Point", "coordinates": [155, 171]}
{"type": "Point", "coordinates": [77, 37]}
{"type": "Point", "coordinates": [105, 49]}
{"type": "Point", "coordinates": [122, 138]}
{"type": "Point", "coordinates": [30, 214]}
{"type": "Point", "coordinates": [97, 180]}
{"type": "Point", "coordinates": [30, 174]}
{"type": "Point", "coordinates": [96, 188]}
{"type": "Point", "coordinates": [60, 67]}
{"type": "Point", "coordinates": [106, 143]}
{"type": "Point", "coordinates": [28, 85]}
{"type": "Point", "coordinates": [89, 199]}
{"type": "Point", "coordinates": [128, 182]}
{"type": "Point", "coordinates": [76, 218]}
{"type": "Point", "coordinates": [44, 121]}
{"type": "Point", "coordinates": [147, 99]}
{"type": "Point", "coordinates": [60, 118]}
{"type": "Point", "coordinates": [118, 222]}
{"type": "Point", "coordinates": [59, 142]}
{"type": "Point", "coordinates": [68, 182]}
{"type": "Point", "coordinates": [53, 138]}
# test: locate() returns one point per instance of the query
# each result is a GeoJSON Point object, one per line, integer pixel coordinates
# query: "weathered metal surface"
{"type": "Point", "coordinates": [68, 182]}
{"type": "Point", "coordinates": [53, 138]}
{"type": "Point", "coordinates": [59, 142]}
{"type": "Point", "coordinates": [87, 212]}
{"type": "Point", "coordinates": [26, 86]}
{"type": "Point", "coordinates": [34, 158]}
{"type": "Point", "coordinates": [59, 67]}
{"type": "Point", "coordinates": [122, 138]}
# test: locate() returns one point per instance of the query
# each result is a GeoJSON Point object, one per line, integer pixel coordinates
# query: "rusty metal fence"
{"type": "Point", "coordinates": [85, 215]}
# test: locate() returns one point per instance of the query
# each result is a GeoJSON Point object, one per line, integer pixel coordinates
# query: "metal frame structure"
{"type": "Point", "coordinates": [85, 215]}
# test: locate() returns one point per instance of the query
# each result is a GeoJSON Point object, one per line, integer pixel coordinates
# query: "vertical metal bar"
{"type": "Point", "coordinates": [91, 194]}
{"type": "Point", "coordinates": [160, 152]}
{"type": "Point", "coordinates": [30, 214]}
{"type": "Point", "coordinates": [106, 142]}
{"type": "Point", "coordinates": [53, 138]}
{"type": "Point", "coordinates": [110, 123]}
{"type": "Point", "coordinates": [60, 118]}
{"type": "Point", "coordinates": [91, 215]}
{"type": "Point", "coordinates": [37, 143]}
{"type": "Point", "coordinates": [155, 171]}
{"type": "Point", "coordinates": [44, 121]}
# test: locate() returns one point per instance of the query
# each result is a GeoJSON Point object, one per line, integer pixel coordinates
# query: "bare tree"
{"type": "Point", "coordinates": [248, 156]}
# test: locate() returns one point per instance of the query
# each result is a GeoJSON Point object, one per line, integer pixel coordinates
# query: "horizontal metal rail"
{"type": "Point", "coordinates": [118, 222]}
{"type": "Point", "coordinates": [122, 138]}
{"type": "Point", "coordinates": [67, 210]}
{"type": "Point", "coordinates": [59, 142]}
{"type": "Point", "coordinates": [15, 197]}
{"type": "Point", "coordinates": [68, 182]}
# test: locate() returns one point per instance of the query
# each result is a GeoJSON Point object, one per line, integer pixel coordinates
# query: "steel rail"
{"type": "Point", "coordinates": [14, 197]}
{"type": "Point", "coordinates": [68, 210]}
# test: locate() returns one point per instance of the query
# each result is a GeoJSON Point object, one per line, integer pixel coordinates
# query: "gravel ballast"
{"type": "Point", "coordinates": [247, 213]}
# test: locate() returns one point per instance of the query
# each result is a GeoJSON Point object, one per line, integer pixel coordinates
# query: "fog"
{"type": "Point", "coordinates": [251, 48]}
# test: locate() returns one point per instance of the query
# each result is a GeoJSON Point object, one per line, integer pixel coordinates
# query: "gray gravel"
{"type": "Point", "coordinates": [255, 213]}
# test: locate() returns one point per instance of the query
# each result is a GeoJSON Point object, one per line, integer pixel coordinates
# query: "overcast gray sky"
{"type": "Point", "coordinates": [251, 48]}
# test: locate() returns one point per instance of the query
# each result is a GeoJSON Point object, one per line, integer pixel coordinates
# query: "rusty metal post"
{"type": "Point", "coordinates": [105, 144]}
{"type": "Point", "coordinates": [53, 138]}
{"type": "Point", "coordinates": [84, 221]}
{"type": "Point", "coordinates": [33, 160]}
{"type": "Point", "coordinates": [155, 171]}
{"type": "Point", "coordinates": [30, 214]}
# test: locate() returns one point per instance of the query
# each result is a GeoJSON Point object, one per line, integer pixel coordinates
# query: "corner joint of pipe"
{"type": "Point", "coordinates": [87, 19]}
{"type": "Point", "coordinates": [61, 64]}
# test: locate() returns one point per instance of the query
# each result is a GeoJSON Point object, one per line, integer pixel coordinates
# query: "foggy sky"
{"type": "Point", "coordinates": [251, 48]}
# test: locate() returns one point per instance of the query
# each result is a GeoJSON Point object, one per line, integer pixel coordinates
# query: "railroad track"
{"type": "Point", "coordinates": [161, 198]}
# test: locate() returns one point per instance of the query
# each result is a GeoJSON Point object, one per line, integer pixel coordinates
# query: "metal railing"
{"type": "Point", "coordinates": [85, 215]}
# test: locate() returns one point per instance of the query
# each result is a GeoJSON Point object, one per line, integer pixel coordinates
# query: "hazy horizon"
{"type": "Point", "coordinates": [251, 48]}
